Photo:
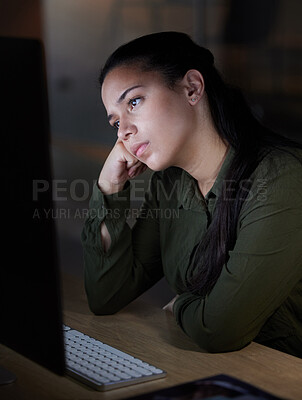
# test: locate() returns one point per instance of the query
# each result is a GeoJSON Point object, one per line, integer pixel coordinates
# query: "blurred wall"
{"type": "Point", "coordinates": [261, 52]}
{"type": "Point", "coordinates": [21, 18]}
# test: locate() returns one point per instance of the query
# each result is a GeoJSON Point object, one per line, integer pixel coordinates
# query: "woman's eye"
{"type": "Point", "coordinates": [116, 124]}
{"type": "Point", "coordinates": [134, 102]}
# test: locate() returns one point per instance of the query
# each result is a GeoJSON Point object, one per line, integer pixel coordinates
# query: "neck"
{"type": "Point", "coordinates": [205, 155]}
{"type": "Point", "coordinates": [206, 168]}
{"type": "Point", "coordinates": [205, 151]}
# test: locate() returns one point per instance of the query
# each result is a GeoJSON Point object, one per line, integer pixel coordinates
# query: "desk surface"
{"type": "Point", "coordinates": [149, 333]}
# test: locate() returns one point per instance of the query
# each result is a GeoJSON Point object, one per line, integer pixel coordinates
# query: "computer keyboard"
{"type": "Point", "coordinates": [101, 366]}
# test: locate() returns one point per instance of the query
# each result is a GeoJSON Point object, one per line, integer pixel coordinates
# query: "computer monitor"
{"type": "Point", "coordinates": [30, 302]}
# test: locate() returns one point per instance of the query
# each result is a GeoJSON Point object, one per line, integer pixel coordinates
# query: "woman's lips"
{"type": "Point", "coordinates": [139, 149]}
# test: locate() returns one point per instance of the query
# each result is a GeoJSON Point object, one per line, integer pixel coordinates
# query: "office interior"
{"type": "Point", "coordinates": [257, 46]}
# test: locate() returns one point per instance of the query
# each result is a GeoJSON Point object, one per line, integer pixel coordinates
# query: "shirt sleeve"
{"type": "Point", "coordinates": [133, 262]}
{"type": "Point", "coordinates": [262, 270]}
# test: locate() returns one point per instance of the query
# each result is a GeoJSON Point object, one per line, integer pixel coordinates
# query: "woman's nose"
{"type": "Point", "coordinates": [126, 129]}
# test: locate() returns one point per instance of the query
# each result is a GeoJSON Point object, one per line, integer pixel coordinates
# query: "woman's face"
{"type": "Point", "coordinates": [153, 121]}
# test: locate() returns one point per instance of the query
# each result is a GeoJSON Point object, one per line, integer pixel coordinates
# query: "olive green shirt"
{"type": "Point", "coordinates": [258, 295]}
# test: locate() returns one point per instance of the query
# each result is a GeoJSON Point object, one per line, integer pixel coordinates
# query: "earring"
{"type": "Point", "coordinates": [194, 99]}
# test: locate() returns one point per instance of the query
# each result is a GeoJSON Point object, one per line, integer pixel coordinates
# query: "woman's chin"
{"type": "Point", "coordinates": [157, 164]}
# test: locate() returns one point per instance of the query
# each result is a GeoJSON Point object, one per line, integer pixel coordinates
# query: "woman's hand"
{"type": "Point", "coordinates": [118, 168]}
{"type": "Point", "coordinates": [169, 306]}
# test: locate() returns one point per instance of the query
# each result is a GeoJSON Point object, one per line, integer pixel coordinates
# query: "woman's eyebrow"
{"type": "Point", "coordinates": [124, 94]}
{"type": "Point", "coordinates": [122, 97]}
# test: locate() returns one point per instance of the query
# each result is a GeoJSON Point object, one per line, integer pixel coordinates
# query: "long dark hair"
{"type": "Point", "coordinates": [172, 54]}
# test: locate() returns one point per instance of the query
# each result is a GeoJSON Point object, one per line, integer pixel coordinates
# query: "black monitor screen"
{"type": "Point", "coordinates": [30, 309]}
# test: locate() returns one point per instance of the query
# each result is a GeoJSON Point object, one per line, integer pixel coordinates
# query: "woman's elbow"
{"type": "Point", "coordinates": [101, 306]}
{"type": "Point", "coordinates": [101, 310]}
{"type": "Point", "coordinates": [221, 342]}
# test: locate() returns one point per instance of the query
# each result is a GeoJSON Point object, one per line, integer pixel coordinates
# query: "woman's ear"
{"type": "Point", "coordinates": [194, 86]}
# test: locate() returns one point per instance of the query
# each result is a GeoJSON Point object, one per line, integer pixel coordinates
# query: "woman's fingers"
{"type": "Point", "coordinates": [169, 306]}
{"type": "Point", "coordinates": [136, 169]}
{"type": "Point", "coordinates": [132, 163]}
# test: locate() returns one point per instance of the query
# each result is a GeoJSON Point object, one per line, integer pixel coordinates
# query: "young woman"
{"type": "Point", "coordinates": [222, 219]}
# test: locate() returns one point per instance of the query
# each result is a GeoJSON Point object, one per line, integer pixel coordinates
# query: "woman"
{"type": "Point", "coordinates": [230, 245]}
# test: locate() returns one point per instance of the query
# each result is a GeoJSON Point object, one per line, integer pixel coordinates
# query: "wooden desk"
{"type": "Point", "coordinates": [149, 333]}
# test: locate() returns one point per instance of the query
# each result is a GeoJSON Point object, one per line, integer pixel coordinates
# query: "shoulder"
{"type": "Point", "coordinates": [281, 169]}
{"type": "Point", "coordinates": [276, 183]}
{"type": "Point", "coordinates": [275, 194]}
{"type": "Point", "coordinates": [280, 161]}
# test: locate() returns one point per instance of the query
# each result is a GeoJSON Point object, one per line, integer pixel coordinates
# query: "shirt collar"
{"type": "Point", "coordinates": [189, 195]}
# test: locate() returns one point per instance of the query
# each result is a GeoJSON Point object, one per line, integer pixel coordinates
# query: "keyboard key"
{"type": "Point", "coordinates": [101, 366]}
